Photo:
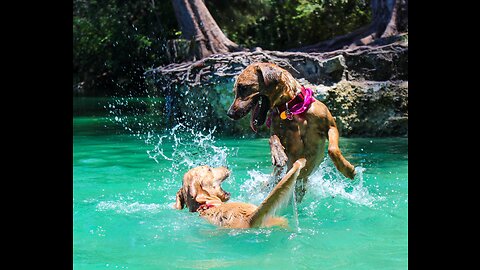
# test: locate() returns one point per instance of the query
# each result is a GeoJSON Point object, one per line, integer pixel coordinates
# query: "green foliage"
{"type": "Point", "coordinates": [114, 41]}
{"type": "Point", "coordinates": [287, 24]}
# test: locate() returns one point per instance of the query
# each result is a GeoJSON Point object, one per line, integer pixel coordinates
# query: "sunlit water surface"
{"type": "Point", "coordinates": [125, 186]}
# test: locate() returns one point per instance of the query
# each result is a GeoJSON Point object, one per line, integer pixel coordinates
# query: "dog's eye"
{"type": "Point", "coordinates": [241, 89]}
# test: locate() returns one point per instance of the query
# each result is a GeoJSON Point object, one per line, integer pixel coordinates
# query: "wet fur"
{"type": "Point", "coordinates": [238, 215]}
{"type": "Point", "coordinates": [302, 137]}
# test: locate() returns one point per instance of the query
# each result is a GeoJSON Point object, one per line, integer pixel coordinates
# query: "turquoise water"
{"type": "Point", "coordinates": [125, 186]}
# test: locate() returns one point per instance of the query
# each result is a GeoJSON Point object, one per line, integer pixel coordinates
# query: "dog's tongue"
{"type": "Point", "coordinates": [253, 121]}
{"type": "Point", "coordinates": [259, 113]}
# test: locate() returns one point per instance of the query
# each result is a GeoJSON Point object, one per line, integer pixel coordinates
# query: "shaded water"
{"type": "Point", "coordinates": [125, 186]}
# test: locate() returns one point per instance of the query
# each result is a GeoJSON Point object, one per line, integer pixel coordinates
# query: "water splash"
{"type": "Point", "coordinates": [135, 115]}
{"type": "Point", "coordinates": [327, 181]}
{"type": "Point", "coordinates": [176, 140]}
{"type": "Point", "coordinates": [185, 148]}
{"type": "Point", "coordinates": [128, 208]}
{"type": "Point", "coordinates": [295, 214]}
{"type": "Point", "coordinates": [256, 188]}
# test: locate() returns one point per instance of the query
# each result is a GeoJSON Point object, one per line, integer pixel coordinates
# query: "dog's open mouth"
{"type": "Point", "coordinates": [259, 112]}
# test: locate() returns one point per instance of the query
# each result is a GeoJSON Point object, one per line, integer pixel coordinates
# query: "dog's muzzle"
{"type": "Point", "coordinates": [231, 114]}
{"type": "Point", "coordinates": [240, 108]}
{"type": "Point", "coordinates": [236, 113]}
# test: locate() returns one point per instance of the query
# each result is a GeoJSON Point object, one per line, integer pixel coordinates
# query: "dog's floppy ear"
{"type": "Point", "coordinates": [270, 73]}
{"type": "Point", "coordinates": [180, 200]}
{"type": "Point", "coordinates": [188, 192]}
{"type": "Point", "coordinates": [205, 198]}
{"type": "Point", "coordinates": [200, 196]}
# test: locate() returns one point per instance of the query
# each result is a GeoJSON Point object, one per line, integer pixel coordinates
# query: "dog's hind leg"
{"type": "Point", "coordinates": [347, 169]}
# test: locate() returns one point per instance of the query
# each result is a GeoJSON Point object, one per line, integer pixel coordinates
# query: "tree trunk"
{"type": "Point", "coordinates": [389, 18]}
{"type": "Point", "coordinates": [198, 25]}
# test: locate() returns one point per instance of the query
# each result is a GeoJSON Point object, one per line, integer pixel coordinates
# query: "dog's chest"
{"type": "Point", "coordinates": [303, 136]}
{"type": "Point", "coordinates": [300, 130]}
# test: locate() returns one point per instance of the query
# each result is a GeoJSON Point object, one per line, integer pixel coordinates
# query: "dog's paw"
{"type": "Point", "coordinates": [279, 157]}
{"type": "Point", "coordinates": [351, 172]}
{"type": "Point", "coordinates": [301, 162]}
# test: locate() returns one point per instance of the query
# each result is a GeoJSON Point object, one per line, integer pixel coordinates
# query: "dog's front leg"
{"type": "Point", "coordinates": [335, 154]}
{"type": "Point", "coordinates": [279, 158]}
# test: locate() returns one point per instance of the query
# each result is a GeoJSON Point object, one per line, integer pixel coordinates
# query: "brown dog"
{"type": "Point", "coordinates": [264, 87]}
{"type": "Point", "coordinates": [202, 192]}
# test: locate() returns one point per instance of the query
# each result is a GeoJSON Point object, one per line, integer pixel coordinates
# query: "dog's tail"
{"type": "Point", "coordinates": [278, 195]}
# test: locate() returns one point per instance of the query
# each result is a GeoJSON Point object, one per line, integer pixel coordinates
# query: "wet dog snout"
{"type": "Point", "coordinates": [231, 113]}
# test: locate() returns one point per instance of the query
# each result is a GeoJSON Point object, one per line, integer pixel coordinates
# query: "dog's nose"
{"type": "Point", "coordinates": [231, 113]}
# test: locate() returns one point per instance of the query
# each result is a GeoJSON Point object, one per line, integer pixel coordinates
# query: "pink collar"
{"type": "Point", "coordinates": [297, 105]}
{"type": "Point", "coordinates": [205, 206]}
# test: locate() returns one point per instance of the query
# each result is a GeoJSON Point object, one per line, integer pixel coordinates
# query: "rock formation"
{"type": "Point", "coordinates": [366, 88]}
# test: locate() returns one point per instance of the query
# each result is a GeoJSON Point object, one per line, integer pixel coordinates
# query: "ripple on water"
{"type": "Point", "coordinates": [127, 208]}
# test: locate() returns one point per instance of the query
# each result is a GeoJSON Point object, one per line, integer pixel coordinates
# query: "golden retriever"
{"type": "Point", "coordinates": [202, 192]}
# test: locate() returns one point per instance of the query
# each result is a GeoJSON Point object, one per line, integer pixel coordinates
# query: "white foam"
{"type": "Point", "coordinates": [188, 146]}
{"type": "Point", "coordinates": [327, 181]}
{"type": "Point", "coordinates": [256, 188]}
{"type": "Point", "coordinates": [184, 148]}
{"type": "Point", "coordinates": [124, 207]}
